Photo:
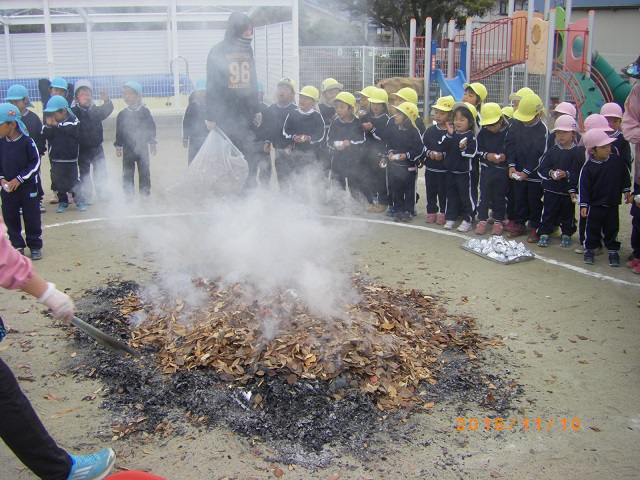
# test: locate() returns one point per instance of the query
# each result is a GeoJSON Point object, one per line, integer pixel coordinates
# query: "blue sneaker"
{"type": "Point", "coordinates": [544, 241]}
{"type": "Point", "coordinates": [391, 212]}
{"type": "Point", "coordinates": [92, 467]}
{"type": "Point", "coordinates": [81, 207]}
{"type": "Point", "coordinates": [566, 241]}
{"type": "Point", "coordinates": [62, 207]}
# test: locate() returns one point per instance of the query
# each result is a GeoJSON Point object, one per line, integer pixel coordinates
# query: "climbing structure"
{"type": "Point", "coordinates": [523, 39]}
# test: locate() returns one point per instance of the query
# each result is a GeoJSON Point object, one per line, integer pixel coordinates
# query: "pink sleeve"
{"type": "Point", "coordinates": [631, 116]}
{"type": "Point", "coordinates": [15, 269]}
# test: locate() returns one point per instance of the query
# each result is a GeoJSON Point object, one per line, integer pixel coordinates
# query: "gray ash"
{"type": "Point", "coordinates": [309, 422]}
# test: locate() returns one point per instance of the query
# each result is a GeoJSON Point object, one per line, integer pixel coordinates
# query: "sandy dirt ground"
{"type": "Point", "coordinates": [571, 339]}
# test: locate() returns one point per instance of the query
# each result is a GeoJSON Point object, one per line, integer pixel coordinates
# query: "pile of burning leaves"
{"type": "Point", "coordinates": [386, 346]}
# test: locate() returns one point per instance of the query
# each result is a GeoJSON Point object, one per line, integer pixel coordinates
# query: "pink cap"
{"type": "Point", "coordinates": [596, 138]}
{"type": "Point", "coordinates": [565, 123]}
{"type": "Point", "coordinates": [565, 108]}
{"type": "Point", "coordinates": [611, 110]}
{"type": "Point", "coordinates": [597, 122]}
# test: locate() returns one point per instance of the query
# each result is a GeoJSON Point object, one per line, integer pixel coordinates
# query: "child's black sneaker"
{"type": "Point", "coordinates": [614, 259]}
{"type": "Point", "coordinates": [36, 254]}
{"type": "Point", "coordinates": [589, 257]}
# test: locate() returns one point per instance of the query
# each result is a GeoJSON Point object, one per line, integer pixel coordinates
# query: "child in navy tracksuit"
{"type": "Point", "coordinates": [435, 173]}
{"type": "Point", "coordinates": [61, 132]}
{"type": "Point", "coordinates": [90, 140]}
{"type": "Point", "coordinates": [19, 166]}
{"type": "Point", "coordinates": [135, 138]}
{"type": "Point", "coordinates": [328, 91]}
{"type": "Point", "coordinates": [525, 144]}
{"type": "Point", "coordinates": [613, 113]}
{"type": "Point", "coordinates": [274, 121]}
{"type": "Point", "coordinates": [603, 179]}
{"type": "Point", "coordinates": [461, 148]}
{"type": "Point", "coordinates": [260, 158]}
{"type": "Point", "coordinates": [303, 131]}
{"type": "Point", "coordinates": [18, 96]}
{"type": "Point", "coordinates": [494, 168]}
{"type": "Point", "coordinates": [374, 123]}
{"type": "Point", "coordinates": [559, 170]}
{"type": "Point", "coordinates": [404, 150]}
{"type": "Point", "coordinates": [194, 130]}
{"type": "Point", "coordinates": [345, 140]}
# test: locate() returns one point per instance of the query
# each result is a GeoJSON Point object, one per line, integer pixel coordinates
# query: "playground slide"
{"type": "Point", "coordinates": [451, 86]}
{"type": "Point", "coordinates": [593, 98]}
{"type": "Point", "coordinates": [619, 88]}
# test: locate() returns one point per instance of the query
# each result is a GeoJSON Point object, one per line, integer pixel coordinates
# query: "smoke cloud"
{"type": "Point", "coordinates": [269, 242]}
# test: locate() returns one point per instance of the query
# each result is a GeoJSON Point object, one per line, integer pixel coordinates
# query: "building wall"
{"type": "Point", "coordinates": [616, 34]}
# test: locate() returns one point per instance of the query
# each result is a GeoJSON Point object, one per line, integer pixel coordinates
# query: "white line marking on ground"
{"type": "Point", "coordinates": [450, 233]}
{"type": "Point", "coordinates": [388, 223]}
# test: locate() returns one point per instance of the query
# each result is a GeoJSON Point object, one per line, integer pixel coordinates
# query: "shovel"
{"type": "Point", "coordinates": [107, 340]}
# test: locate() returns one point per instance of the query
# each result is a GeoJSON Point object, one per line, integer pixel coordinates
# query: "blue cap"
{"type": "Point", "coordinates": [56, 103]}
{"type": "Point", "coordinates": [134, 86]}
{"type": "Point", "coordinates": [10, 113]}
{"type": "Point", "coordinates": [260, 86]}
{"type": "Point", "coordinates": [59, 82]}
{"type": "Point", "coordinates": [201, 84]}
{"type": "Point", "coordinates": [18, 92]}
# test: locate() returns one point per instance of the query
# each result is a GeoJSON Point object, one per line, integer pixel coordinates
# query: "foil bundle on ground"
{"type": "Point", "coordinates": [499, 249]}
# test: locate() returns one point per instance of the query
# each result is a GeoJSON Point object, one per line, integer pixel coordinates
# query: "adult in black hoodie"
{"type": "Point", "coordinates": [232, 84]}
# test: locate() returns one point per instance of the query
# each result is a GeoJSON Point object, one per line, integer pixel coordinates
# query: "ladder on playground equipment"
{"type": "Point", "coordinates": [495, 46]}
{"type": "Point", "coordinates": [579, 85]}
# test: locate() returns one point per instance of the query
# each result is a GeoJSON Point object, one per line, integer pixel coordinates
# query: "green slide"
{"type": "Point", "coordinates": [619, 87]}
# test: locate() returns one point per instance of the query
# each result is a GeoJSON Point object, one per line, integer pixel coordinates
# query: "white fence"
{"type": "Point", "coordinates": [110, 59]}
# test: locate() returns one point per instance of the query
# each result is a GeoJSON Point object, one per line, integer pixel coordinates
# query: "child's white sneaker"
{"type": "Point", "coordinates": [448, 225]}
{"type": "Point", "coordinates": [464, 226]}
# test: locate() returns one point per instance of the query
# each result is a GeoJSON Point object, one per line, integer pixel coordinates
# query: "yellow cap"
{"type": "Point", "coordinates": [407, 94]}
{"type": "Point", "coordinates": [379, 96]}
{"type": "Point", "coordinates": [367, 91]}
{"type": "Point", "coordinates": [478, 88]}
{"type": "Point", "coordinates": [288, 82]}
{"type": "Point", "coordinates": [521, 93]}
{"type": "Point", "coordinates": [468, 106]}
{"type": "Point", "coordinates": [530, 106]}
{"type": "Point", "coordinates": [444, 103]}
{"type": "Point", "coordinates": [410, 110]}
{"type": "Point", "coordinates": [345, 97]}
{"type": "Point", "coordinates": [508, 112]}
{"type": "Point", "coordinates": [311, 92]}
{"type": "Point", "coordinates": [329, 83]}
{"type": "Point", "coordinates": [491, 113]}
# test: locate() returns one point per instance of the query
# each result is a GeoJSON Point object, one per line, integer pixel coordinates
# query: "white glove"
{"type": "Point", "coordinates": [210, 125]}
{"type": "Point", "coordinates": [257, 119]}
{"type": "Point", "coordinates": [60, 304]}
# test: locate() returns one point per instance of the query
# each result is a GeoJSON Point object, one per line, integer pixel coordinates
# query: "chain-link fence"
{"type": "Point", "coordinates": [354, 67]}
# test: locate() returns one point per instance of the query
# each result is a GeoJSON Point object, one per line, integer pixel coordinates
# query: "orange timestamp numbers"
{"type": "Point", "coordinates": [499, 424]}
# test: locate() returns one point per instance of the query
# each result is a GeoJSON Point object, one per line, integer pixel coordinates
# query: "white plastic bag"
{"type": "Point", "coordinates": [218, 169]}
